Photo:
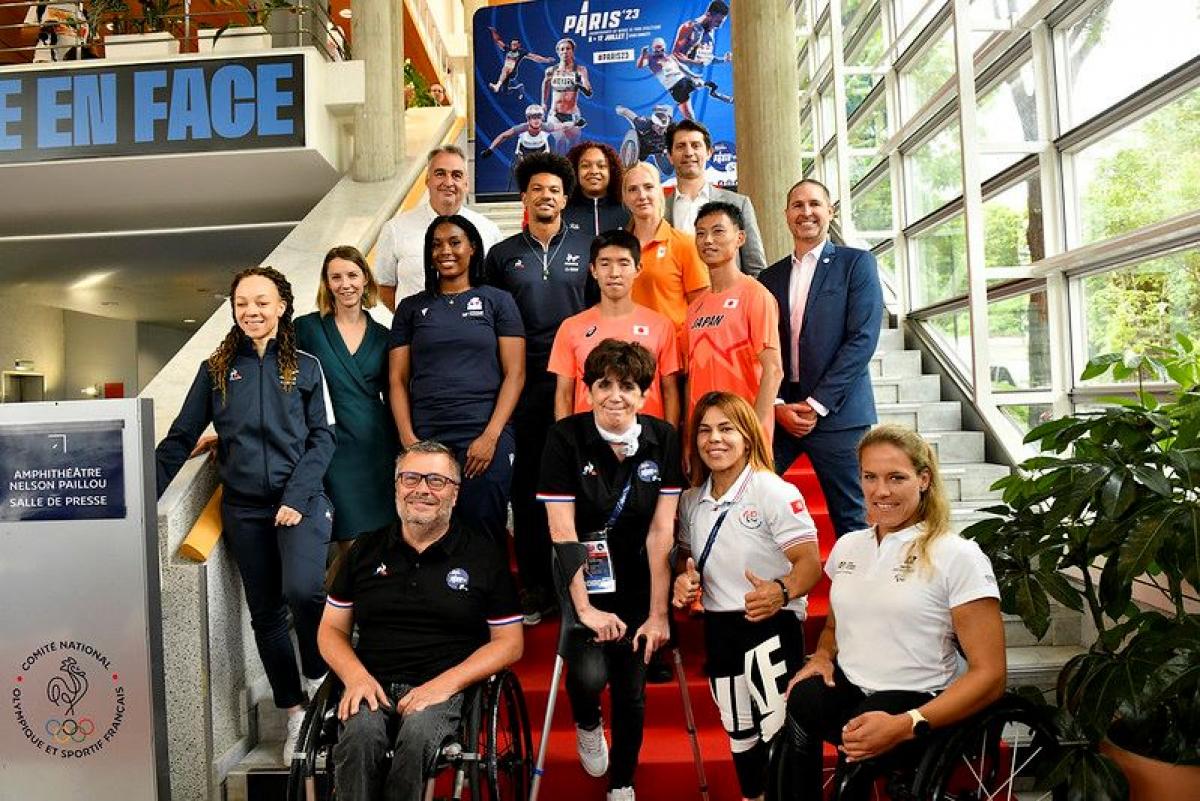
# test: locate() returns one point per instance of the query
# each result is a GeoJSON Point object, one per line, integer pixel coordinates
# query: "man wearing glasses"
{"type": "Point", "coordinates": [436, 611]}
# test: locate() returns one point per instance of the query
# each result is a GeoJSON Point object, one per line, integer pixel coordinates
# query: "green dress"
{"type": "Point", "coordinates": [359, 481]}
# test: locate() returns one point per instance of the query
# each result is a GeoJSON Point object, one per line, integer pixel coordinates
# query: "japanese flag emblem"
{"type": "Point", "coordinates": [641, 330]}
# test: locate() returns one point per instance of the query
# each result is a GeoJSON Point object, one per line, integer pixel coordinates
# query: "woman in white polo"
{"type": "Point", "coordinates": [907, 594]}
{"type": "Point", "coordinates": [753, 558]}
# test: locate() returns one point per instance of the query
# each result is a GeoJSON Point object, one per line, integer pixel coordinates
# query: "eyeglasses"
{"type": "Point", "coordinates": [435, 481]}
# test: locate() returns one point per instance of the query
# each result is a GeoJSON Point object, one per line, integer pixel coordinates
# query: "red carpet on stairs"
{"type": "Point", "coordinates": [666, 771]}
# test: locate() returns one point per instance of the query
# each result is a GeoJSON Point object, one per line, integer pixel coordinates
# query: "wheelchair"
{"type": "Point", "coordinates": [490, 757]}
{"type": "Point", "coordinates": [1006, 751]}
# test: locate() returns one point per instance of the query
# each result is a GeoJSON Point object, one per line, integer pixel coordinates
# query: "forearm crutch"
{"type": "Point", "coordinates": [566, 559]}
{"type": "Point", "coordinates": [690, 719]}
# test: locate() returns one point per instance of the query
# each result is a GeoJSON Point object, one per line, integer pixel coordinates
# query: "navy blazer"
{"type": "Point", "coordinates": [838, 337]}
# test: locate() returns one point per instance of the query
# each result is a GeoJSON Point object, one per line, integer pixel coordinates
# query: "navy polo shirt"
{"type": "Point", "coordinates": [549, 285]}
{"type": "Point", "coordinates": [579, 466]}
{"type": "Point", "coordinates": [420, 614]}
{"type": "Point", "coordinates": [454, 358]}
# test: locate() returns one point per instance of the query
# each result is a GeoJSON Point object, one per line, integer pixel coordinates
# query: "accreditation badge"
{"type": "Point", "coordinates": [598, 575]}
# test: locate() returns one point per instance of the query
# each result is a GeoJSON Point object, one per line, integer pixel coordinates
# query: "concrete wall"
{"type": "Point", "coordinates": [156, 344]}
{"type": "Point", "coordinates": [35, 333]}
{"type": "Point", "coordinates": [99, 350]}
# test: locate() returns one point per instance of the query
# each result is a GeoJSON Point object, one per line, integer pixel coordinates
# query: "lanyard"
{"type": "Point", "coordinates": [619, 507]}
{"type": "Point", "coordinates": [712, 537]}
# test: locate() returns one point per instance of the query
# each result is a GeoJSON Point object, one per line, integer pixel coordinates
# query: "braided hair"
{"type": "Point", "coordinates": [289, 369]}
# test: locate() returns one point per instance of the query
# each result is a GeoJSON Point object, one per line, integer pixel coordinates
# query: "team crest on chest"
{"type": "Point", "coordinates": [591, 332]}
{"type": "Point", "coordinates": [458, 580]}
{"type": "Point", "coordinates": [234, 375]}
{"type": "Point", "coordinates": [641, 330]}
{"type": "Point", "coordinates": [751, 518]}
{"type": "Point", "coordinates": [648, 471]}
{"type": "Point", "coordinates": [730, 303]}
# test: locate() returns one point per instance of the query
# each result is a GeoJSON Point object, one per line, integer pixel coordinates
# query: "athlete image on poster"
{"type": "Point", "coordinates": [560, 93]}
{"type": "Point", "coordinates": [514, 54]}
{"type": "Point", "coordinates": [624, 69]}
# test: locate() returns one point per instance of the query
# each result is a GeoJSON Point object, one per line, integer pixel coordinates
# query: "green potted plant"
{"type": "Point", "coordinates": [252, 35]}
{"type": "Point", "coordinates": [149, 33]}
{"type": "Point", "coordinates": [1113, 503]}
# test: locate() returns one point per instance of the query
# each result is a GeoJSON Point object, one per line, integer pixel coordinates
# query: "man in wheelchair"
{"type": "Point", "coordinates": [436, 612]}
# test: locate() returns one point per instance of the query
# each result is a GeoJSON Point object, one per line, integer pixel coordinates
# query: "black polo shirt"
{"type": "Point", "coordinates": [549, 285]}
{"type": "Point", "coordinates": [419, 614]}
{"type": "Point", "coordinates": [579, 466]}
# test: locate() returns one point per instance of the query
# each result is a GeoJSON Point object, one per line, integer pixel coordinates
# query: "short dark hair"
{"type": "Point", "coordinates": [475, 272]}
{"type": "Point", "coordinates": [718, 7]}
{"type": "Point", "coordinates": [552, 163]}
{"type": "Point", "coordinates": [721, 207]}
{"type": "Point", "coordinates": [615, 169]}
{"type": "Point", "coordinates": [622, 360]}
{"type": "Point", "coordinates": [616, 238]}
{"type": "Point", "coordinates": [814, 182]}
{"type": "Point", "coordinates": [687, 125]}
{"type": "Point", "coordinates": [427, 446]}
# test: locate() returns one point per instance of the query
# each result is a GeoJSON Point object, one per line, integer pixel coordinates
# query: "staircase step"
{"type": "Point", "coordinates": [1038, 665]}
{"type": "Point", "coordinates": [895, 364]}
{"type": "Point", "coordinates": [923, 416]}
{"type": "Point", "coordinates": [912, 388]}
{"type": "Point", "coordinates": [956, 446]}
{"type": "Point", "coordinates": [972, 482]}
{"type": "Point", "coordinates": [890, 339]}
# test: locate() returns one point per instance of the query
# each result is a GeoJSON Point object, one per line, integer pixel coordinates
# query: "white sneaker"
{"type": "Point", "coordinates": [593, 750]}
{"type": "Point", "coordinates": [294, 722]}
{"type": "Point", "coordinates": [621, 794]}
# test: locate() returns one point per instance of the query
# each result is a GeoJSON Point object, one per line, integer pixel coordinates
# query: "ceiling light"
{"type": "Point", "coordinates": [90, 281]}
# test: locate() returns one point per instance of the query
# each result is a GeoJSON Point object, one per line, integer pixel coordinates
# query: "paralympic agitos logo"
{"type": "Point", "coordinates": [68, 700]}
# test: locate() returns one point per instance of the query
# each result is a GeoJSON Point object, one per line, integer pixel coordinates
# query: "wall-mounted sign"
{"type": "Point", "coordinates": [73, 472]}
{"type": "Point", "coordinates": [147, 109]}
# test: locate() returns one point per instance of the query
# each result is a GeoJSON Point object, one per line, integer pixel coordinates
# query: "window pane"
{"type": "Point", "coordinates": [805, 71]}
{"type": "Point", "coordinates": [849, 9]}
{"type": "Point", "coordinates": [824, 44]}
{"type": "Point", "coordinates": [1121, 46]}
{"type": "Point", "coordinates": [870, 130]}
{"type": "Point", "coordinates": [992, 14]}
{"type": "Point", "coordinates": [1141, 174]}
{"type": "Point", "coordinates": [827, 110]}
{"type": "Point", "coordinates": [1008, 114]}
{"type": "Point", "coordinates": [1019, 342]}
{"type": "Point", "coordinates": [936, 173]}
{"type": "Point", "coordinates": [1146, 304]}
{"type": "Point", "coordinates": [940, 262]}
{"type": "Point", "coordinates": [1012, 221]}
{"type": "Point", "coordinates": [857, 89]}
{"type": "Point", "coordinates": [871, 210]}
{"type": "Point", "coordinates": [887, 265]}
{"type": "Point", "coordinates": [1027, 416]}
{"type": "Point", "coordinates": [801, 14]}
{"type": "Point", "coordinates": [832, 174]}
{"type": "Point", "coordinates": [860, 166]}
{"type": "Point", "coordinates": [953, 331]}
{"type": "Point", "coordinates": [926, 74]}
{"type": "Point", "coordinates": [806, 132]}
{"type": "Point", "coordinates": [870, 51]}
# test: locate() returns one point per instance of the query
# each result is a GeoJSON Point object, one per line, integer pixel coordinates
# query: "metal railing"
{"type": "Point", "coordinates": [87, 34]}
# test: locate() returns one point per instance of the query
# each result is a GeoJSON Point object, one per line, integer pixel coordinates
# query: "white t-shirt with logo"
{"type": "Point", "coordinates": [400, 251]}
{"type": "Point", "coordinates": [766, 515]}
{"type": "Point", "coordinates": [894, 630]}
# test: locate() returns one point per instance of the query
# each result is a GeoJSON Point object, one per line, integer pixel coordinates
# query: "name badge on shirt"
{"type": "Point", "coordinates": [598, 575]}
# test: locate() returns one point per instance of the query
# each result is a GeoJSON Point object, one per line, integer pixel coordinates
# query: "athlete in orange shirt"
{"type": "Point", "coordinates": [672, 273]}
{"type": "Point", "coordinates": [615, 263]}
{"type": "Point", "coordinates": [732, 332]}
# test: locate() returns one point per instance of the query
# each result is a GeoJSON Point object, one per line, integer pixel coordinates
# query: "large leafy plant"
{"type": "Point", "coordinates": [1113, 501]}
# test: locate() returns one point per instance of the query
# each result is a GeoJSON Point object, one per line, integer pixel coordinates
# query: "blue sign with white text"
{"type": "Point", "coordinates": [149, 109]}
{"type": "Point", "coordinates": [552, 73]}
{"type": "Point", "coordinates": [70, 472]}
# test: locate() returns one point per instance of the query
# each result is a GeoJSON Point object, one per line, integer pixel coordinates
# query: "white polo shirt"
{"type": "Point", "coordinates": [766, 515]}
{"type": "Point", "coordinates": [894, 630]}
{"type": "Point", "coordinates": [399, 253]}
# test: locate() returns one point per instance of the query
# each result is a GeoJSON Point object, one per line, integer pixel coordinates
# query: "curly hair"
{"type": "Point", "coordinates": [548, 163]}
{"type": "Point", "coordinates": [289, 369]}
{"type": "Point", "coordinates": [475, 274]}
{"type": "Point", "coordinates": [615, 169]}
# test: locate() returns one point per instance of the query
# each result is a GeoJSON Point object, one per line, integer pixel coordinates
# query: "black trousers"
{"type": "Point", "coordinates": [592, 665]}
{"type": "Point", "coordinates": [817, 713]}
{"type": "Point", "coordinates": [531, 530]}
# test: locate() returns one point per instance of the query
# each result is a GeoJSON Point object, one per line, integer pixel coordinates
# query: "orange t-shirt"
{"type": "Point", "coordinates": [725, 333]}
{"type": "Point", "coordinates": [577, 335]}
{"type": "Point", "coordinates": [671, 268]}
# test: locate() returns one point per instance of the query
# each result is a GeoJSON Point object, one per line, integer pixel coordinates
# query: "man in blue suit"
{"type": "Point", "coordinates": [830, 309]}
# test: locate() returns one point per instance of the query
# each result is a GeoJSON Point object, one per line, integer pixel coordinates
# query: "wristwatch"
{"type": "Point", "coordinates": [920, 726]}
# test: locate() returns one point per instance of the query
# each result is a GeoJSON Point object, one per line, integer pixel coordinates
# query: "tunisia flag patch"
{"type": "Point", "coordinates": [797, 506]}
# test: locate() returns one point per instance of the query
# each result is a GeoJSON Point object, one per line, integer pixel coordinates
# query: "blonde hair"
{"type": "Point", "coordinates": [933, 510]}
{"type": "Point", "coordinates": [742, 415]}
{"type": "Point", "coordinates": [652, 171]}
{"type": "Point", "coordinates": [350, 253]}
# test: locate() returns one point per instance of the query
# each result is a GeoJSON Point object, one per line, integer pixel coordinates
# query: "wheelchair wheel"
{"type": "Point", "coordinates": [508, 744]}
{"type": "Point", "coordinates": [1005, 751]}
{"type": "Point", "coordinates": [311, 775]}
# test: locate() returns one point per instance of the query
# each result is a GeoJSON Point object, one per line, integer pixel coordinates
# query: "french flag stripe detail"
{"type": "Point", "coordinates": [329, 599]}
{"type": "Point", "coordinates": [670, 491]}
{"type": "Point", "coordinates": [505, 621]}
{"type": "Point", "coordinates": [546, 497]}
